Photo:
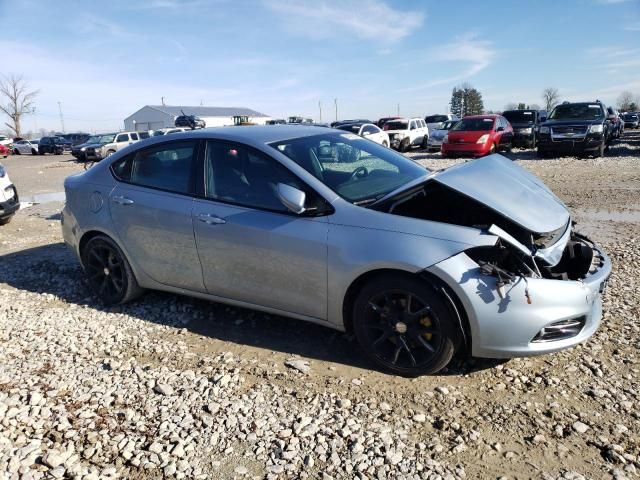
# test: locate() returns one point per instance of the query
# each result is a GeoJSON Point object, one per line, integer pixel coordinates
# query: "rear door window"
{"type": "Point", "coordinates": [167, 167]}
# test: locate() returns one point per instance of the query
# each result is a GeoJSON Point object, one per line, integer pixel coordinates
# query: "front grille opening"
{"type": "Point", "coordinates": [560, 330]}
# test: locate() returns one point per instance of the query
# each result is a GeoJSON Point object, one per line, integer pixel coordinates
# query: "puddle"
{"type": "Point", "coordinates": [43, 198]}
{"type": "Point", "coordinates": [632, 216]}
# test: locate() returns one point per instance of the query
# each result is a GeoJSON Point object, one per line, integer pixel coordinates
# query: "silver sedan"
{"type": "Point", "coordinates": [325, 226]}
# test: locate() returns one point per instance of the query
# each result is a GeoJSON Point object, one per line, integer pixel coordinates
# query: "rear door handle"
{"type": "Point", "coordinates": [122, 200]}
{"type": "Point", "coordinates": [211, 219]}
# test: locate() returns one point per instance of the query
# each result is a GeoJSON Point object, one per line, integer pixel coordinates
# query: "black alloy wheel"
{"type": "Point", "coordinates": [404, 326]}
{"type": "Point", "coordinates": [108, 272]}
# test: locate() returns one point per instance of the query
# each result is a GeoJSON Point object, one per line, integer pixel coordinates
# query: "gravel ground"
{"type": "Point", "coordinates": [174, 387]}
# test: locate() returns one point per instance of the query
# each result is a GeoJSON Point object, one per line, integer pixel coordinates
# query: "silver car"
{"type": "Point", "coordinates": [325, 226]}
{"type": "Point", "coordinates": [437, 135]}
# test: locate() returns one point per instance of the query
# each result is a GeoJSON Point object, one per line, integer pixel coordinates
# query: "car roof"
{"type": "Point", "coordinates": [488, 115]}
{"type": "Point", "coordinates": [251, 133]}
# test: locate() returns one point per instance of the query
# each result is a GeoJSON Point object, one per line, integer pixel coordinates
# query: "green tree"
{"type": "Point", "coordinates": [466, 100]}
{"type": "Point", "coordinates": [455, 105]}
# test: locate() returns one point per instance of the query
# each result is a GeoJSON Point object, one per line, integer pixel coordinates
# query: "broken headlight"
{"type": "Point", "coordinates": [545, 240]}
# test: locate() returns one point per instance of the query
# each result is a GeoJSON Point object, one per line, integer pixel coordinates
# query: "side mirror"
{"type": "Point", "coordinates": [291, 197]}
{"type": "Point", "coordinates": [500, 129]}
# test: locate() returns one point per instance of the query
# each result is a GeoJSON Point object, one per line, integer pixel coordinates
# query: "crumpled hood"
{"type": "Point", "coordinates": [508, 189]}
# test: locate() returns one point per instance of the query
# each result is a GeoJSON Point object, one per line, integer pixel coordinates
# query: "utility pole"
{"type": "Point", "coordinates": [162, 100]}
{"type": "Point", "coordinates": [335, 101]}
{"type": "Point", "coordinates": [61, 116]}
{"type": "Point", "coordinates": [320, 108]}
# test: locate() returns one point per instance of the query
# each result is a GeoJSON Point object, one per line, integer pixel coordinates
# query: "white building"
{"type": "Point", "coordinates": [153, 117]}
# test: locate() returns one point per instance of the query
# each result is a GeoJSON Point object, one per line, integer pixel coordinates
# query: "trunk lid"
{"type": "Point", "coordinates": [508, 189]}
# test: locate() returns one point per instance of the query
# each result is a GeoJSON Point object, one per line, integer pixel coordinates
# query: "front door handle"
{"type": "Point", "coordinates": [122, 200]}
{"type": "Point", "coordinates": [211, 219]}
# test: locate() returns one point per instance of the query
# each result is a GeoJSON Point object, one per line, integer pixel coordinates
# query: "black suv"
{"type": "Point", "coordinates": [525, 126]}
{"type": "Point", "coordinates": [189, 121]}
{"type": "Point", "coordinates": [55, 145]}
{"type": "Point", "coordinates": [75, 138]}
{"type": "Point", "coordinates": [576, 128]}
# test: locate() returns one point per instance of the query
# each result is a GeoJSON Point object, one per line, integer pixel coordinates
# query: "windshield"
{"type": "Point", "coordinates": [435, 119]}
{"type": "Point", "coordinates": [577, 111]}
{"type": "Point", "coordinates": [61, 140]}
{"type": "Point", "coordinates": [448, 125]}
{"type": "Point", "coordinates": [358, 170]}
{"type": "Point", "coordinates": [474, 125]}
{"type": "Point", "coordinates": [94, 139]}
{"type": "Point", "coordinates": [631, 116]}
{"type": "Point", "coordinates": [519, 116]}
{"type": "Point", "coordinates": [107, 138]}
{"type": "Point", "coordinates": [349, 128]}
{"type": "Point", "coordinates": [157, 133]}
{"type": "Point", "coordinates": [396, 125]}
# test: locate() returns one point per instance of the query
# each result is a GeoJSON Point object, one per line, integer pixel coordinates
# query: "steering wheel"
{"type": "Point", "coordinates": [359, 172]}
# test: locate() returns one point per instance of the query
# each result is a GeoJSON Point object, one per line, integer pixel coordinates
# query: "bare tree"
{"type": "Point", "coordinates": [551, 98]}
{"type": "Point", "coordinates": [510, 106]}
{"type": "Point", "coordinates": [626, 101]}
{"type": "Point", "coordinates": [14, 89]}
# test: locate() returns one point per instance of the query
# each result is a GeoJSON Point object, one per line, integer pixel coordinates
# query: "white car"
{"type": "Point", "coordinates": [9, 203]}
{"type": "Point", "coordinates": [167, 131]}
{"type": "Point", "coordinates": [121, 140]}
{"type": "Point", "coordinates": [6, 141]}
{"type": "Point", "coordinates": [405, 133]}
{"type": "Point", "coordinates": [368, 131]}
{"type": "Point", "coordinates": [25, 147]}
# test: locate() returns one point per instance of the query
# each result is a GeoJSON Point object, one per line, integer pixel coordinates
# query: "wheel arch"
{"type": "Point", "coordinates": [439, 285]}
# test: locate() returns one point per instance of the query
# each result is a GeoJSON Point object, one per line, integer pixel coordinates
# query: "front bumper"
{"type": "Point", "coordinates": [523, 139]}
{"type": "Point", "coordinates": [9, 202]}
{"type": "Point", "coordinates": [590, 143]}
{"type": "Point", "coordinates": [470, 149]}
{"type": "Point", "coordinates": [506, 327]}
{"type": "Point", "coordinates": [434, 143]}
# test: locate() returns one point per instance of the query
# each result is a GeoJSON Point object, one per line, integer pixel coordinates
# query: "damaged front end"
{"type": "Point", "coordinates": [537, 289]}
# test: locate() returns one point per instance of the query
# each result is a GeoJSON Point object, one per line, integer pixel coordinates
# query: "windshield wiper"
{"type": "Point", "coordinates": [368, 201]}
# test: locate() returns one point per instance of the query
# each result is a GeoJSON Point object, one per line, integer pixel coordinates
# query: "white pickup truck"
{"type": "Point", "coordinates": [405, 133]}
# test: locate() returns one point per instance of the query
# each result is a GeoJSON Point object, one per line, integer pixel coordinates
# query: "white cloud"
{"type": "Point", "coordinates": [633, 27]}
{"type": "Point", "coordinates": [474, 54]}
{"type": "Point", "coordinates": [364, 19]}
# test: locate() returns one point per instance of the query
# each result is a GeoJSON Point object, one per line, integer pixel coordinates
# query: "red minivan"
{"type": "Point", "coordinates": [478, 135]}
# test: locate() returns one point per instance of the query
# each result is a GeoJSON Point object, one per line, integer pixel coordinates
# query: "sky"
{"type": "Point", "coordinates": [102, 61]}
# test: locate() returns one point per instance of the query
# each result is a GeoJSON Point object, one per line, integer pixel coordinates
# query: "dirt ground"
{"type": "Point", "coordinates": [483, 419]}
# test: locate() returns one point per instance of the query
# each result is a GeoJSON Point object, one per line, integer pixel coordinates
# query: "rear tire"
{"type": "Point", "coordinates": [6, 220]}
{"type": "Point", "coordinates": [108, 272]}
{"type": "Point", "coordinates": [425, 144]}
{"type": "Point", "coordinates": [404, 326]}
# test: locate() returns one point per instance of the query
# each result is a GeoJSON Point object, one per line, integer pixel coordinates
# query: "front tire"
{"type": "Point", "coordinates": [385, 144]}
{"type": "Point", "coordinates": [404, 145]}
{"type": "Point", "coordinates": [108, 272]}
{"type": "Point", "coordinates": [425, 144]}
{"type": "Point", "coordinates": [16, 151]}
{"type": "Point", "coordinates": [404, 326]}
{"type": "Point", "coordinates": [600, 151]}
{"type": "Point", "coordinates": [109, 153]}
{"type": "Point", "coordinates": [4, 221]}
